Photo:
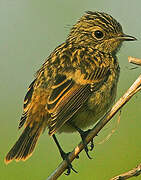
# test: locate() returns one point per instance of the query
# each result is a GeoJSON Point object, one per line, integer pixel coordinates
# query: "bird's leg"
{"type": "Point", "coordinates": [83, 135]}
{"type": "Point", "coordinates": [64, 156]}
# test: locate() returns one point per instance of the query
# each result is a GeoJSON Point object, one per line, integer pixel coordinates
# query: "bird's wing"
{"type": "Point", "coordinates": [26, 105]}
{"type": "Point", "coordinates": [67, 97]}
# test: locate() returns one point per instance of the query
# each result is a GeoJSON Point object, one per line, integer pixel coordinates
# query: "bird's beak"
{"type": "Point", "coordinates": [125, 37]}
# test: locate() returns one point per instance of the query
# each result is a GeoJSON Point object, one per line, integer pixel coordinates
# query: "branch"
{"type": "Point", "coordinates": [132, 173]}
{"type": "Point", "coordinates": [134, 60]}
{"type": "Point", "coordinates": [136, 86]}
{"type": "Point", "coordinates": [136, 171]}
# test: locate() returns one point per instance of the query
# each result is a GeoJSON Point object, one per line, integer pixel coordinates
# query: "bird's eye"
{"type": "Point", "coordinates": [98, 34]}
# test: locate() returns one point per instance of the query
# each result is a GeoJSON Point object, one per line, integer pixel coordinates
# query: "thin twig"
{"type": "Point", "coordinates": [134, 60]}
{"type": "Point", "coordinates": [136, 86]}
{"type": "Point", "coordinates": [113, 130]}
{"type": "Point", "coordinates": [132, 173]}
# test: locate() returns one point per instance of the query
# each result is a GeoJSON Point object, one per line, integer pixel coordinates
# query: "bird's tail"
{"type": "Point", "coordinates": [25, 145]}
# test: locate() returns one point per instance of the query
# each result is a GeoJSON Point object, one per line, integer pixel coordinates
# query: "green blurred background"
{"type": "Point", "coordinates": [29, 31]}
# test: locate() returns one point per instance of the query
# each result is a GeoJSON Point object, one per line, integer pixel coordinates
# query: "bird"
{"type": "Point", "coordinates": [75, 86]}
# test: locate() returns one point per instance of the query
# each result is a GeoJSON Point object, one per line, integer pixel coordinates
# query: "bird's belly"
{"type": "Point", "coordinates": [94, 108]}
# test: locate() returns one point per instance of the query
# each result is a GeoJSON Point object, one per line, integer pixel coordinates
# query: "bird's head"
{"type": "Point", "coordinates": [100, 31]}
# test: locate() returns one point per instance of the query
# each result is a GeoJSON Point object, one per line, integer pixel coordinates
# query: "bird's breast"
{"type": "Point", "coordinates": [100, 100]}
{"type": "Point", "coordinates": [97, 104]}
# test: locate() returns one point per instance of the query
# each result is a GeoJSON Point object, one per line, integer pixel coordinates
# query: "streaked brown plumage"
{"type": "Point", "coordinates": [76, 85]}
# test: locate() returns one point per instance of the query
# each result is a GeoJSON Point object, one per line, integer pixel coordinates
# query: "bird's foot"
{"type": "Point", "coordinates": [69, 165]}
{"type": "Point", "coordinates": [83, 135]}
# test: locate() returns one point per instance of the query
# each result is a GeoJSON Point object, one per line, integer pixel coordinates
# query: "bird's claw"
{"type": "Point", "coordinates": [69, 165]}
{"type": "Point", "coordinates": [87, 150]}
{"type": "Point", "coordinates": [83, 136]}
{"type": "Point", "coordinates": [92, 145]}
{"type": "Point", "coordinates": [69, 168]}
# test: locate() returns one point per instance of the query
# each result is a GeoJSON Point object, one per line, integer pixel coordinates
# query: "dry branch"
{"type": "Point", "coordinates": [132, 173]}
{"type": "Point", "coordinates": [136, 171]}
{"type": "Point", "coordinates": [136, 86]}
{"type": "Point", "coordinates": [134, 60]}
